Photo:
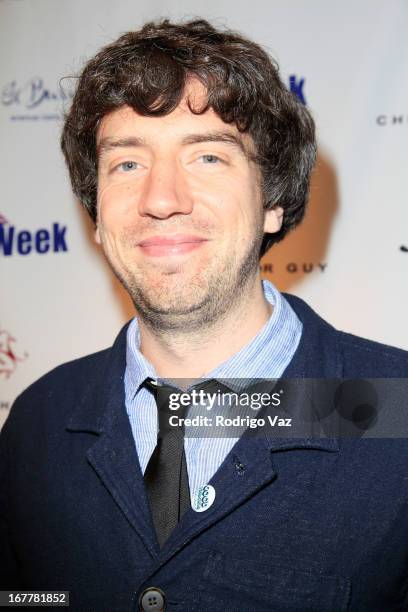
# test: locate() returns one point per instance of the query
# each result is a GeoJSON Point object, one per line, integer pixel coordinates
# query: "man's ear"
{"type": "Point", "coordinates": [97, 236]}
{"type": "Point", "coordinates": [273, 220]}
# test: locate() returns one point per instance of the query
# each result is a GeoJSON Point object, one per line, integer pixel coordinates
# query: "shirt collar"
{"type": "Point", "coordinates": [265, 356]}
{"type": "Point", "coordinates": [268, 353]}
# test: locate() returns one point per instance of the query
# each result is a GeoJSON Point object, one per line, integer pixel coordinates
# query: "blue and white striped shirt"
{"type": "Point", "coordinates": [265, 356]}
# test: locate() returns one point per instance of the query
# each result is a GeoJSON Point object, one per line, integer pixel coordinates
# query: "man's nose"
{"type": "Point", "coordinates": [165, 192]}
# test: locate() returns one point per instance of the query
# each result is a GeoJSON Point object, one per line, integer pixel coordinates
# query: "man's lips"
{"type": "Point", "coordinates": [176, 244]}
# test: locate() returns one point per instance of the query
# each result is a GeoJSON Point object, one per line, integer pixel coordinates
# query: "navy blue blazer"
{"type": "Point", "coordinates": [296, 525]}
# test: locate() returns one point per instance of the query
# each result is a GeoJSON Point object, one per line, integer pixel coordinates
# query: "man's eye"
{"type": "Point", "coordinates": [127, 166]}
{"type": "Point", "coordinates": [209, 159]}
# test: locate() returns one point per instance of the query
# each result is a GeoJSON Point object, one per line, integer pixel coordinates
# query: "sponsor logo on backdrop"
{"type": "Point", "coordinates": [34, 100]}
{"type": "Point", "coordinates": [14, 241]}
{"type": "Point", "coordinates": [9, 355]}
{"type": "Point", "coordinates": [294, 267]}
{"type": "Point", "coordinates": [392, 120]}
{"type": "Point", "coordinates": [296, 86]}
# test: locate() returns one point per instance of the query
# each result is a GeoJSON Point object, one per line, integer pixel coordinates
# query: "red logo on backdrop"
{"type": "Point", "coordinates": [8, 355]}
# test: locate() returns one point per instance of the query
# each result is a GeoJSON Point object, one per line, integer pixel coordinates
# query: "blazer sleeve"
{"type": "Point", "coordinates": [9, 574]}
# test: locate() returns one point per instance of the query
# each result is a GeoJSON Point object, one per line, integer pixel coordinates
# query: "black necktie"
{"type": "Point", "coordinates": [166, 475]}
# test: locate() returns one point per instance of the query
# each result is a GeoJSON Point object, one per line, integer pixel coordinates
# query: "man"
{"type": "Point", "coordinates": [192, 159]}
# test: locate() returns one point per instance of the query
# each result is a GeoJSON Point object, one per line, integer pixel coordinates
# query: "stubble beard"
{"type": "Point", "coordinates": [209, 298]}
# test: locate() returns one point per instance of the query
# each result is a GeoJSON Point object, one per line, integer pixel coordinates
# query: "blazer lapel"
{"type": "Point", "coordinates": [113, 456]}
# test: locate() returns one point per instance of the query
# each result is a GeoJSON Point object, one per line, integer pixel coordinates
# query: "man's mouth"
{"type": "Point", "coordinates": [168, 245]}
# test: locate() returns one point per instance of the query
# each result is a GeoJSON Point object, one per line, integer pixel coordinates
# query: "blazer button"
{"type": "Point", "coordinates": [152, 600]}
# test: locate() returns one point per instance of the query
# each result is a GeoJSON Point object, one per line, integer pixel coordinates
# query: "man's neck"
{"type": "Point", "coordinates": [194, 354]}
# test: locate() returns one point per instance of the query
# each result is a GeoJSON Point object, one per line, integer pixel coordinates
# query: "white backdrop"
{"type": "Point", "coordinates": [349, 260]}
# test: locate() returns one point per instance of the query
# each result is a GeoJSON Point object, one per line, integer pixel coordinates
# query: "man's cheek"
{"type": "Point", "coordinates": [117, 195]}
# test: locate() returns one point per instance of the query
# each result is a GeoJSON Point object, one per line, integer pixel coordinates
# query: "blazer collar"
{"type": "Point", "coordinates": [318, 354]}
{"type": "Point", "coordinates": [105, 393]}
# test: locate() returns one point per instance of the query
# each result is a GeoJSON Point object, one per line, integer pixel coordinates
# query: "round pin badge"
{"type": "Point", "coordinates": [204, 498]}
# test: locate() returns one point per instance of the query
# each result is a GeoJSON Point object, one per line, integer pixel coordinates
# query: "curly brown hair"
{"type": "Point", "coordinates": [147, 70]}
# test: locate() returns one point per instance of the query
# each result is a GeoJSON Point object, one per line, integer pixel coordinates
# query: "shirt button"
{"type": "Point", "coordinates": [152, 600]}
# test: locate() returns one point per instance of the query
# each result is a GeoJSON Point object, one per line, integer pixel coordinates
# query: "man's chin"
{"type": "Point", "coordinates": [184, 319]}
{"type": "Point", "coordinates": [170, 303]}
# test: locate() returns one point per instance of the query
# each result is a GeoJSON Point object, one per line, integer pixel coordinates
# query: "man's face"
{"type": "Point", "coordinates": [180, 214]}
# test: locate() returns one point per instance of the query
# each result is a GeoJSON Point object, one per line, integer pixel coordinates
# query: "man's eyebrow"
{"type": "Point", "coordinates": [216, 136]}
{"type": "Point", "coordinates": [107, 144]}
